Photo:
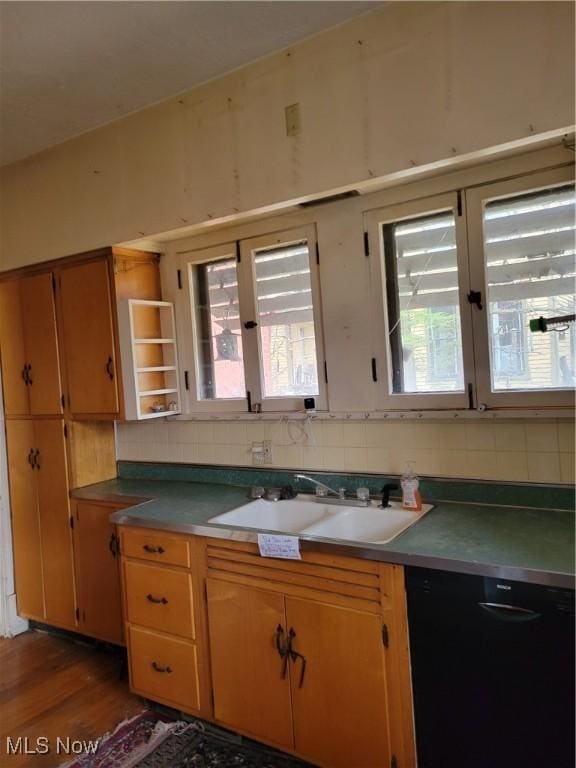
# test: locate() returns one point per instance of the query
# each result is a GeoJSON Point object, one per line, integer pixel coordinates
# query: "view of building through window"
{"type": "Point", "coordinates": [286, 321]}
{"type": "Point", "coordinates": [423, 304]}
{"type": "Point", "coordinates": [530, 269]}
{"type": "Point", "coordinates": [220, 363]}
{"type": "Point", "coordinates": [284, 317]}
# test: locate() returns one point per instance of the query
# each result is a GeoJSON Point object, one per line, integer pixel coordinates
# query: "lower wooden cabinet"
{"type": "Point", "coordinates": [164, 668]}
{"type": "Point", "coordinates": [165, 620]}
{"type": "Point", "coordinates": [249, 674]}
{"type": "Point", "coordinates": [96, 553]}
{"type": "Point", "coordinates": [42, 543]}
{"type": "Point", "coordinates": [310, 657]}
{"type": "Point", "coordinates": [301, 653]}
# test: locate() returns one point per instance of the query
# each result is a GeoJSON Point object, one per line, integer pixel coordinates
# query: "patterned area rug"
{"type": "Point", "coordinates": [147, 741]}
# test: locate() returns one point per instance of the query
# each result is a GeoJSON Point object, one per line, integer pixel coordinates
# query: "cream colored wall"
{"type": "Point", "coordinates": [515, 450]}
{"type": "Point", "coordinates": [405, 86]}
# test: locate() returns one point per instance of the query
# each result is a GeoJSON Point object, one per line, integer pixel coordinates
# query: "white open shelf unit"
{"type": "Point", "coordinates": [149, 359]}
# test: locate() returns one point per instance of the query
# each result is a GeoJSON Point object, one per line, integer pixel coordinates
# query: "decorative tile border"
{"type": "Point", "coordinates": [479, 492]}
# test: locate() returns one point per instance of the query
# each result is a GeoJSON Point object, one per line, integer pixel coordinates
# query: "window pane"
{"type": "Point", "coordinates": [423, 304]}
{"type": "Point", "coordinates": [220, 365]}
{"type": "Point", "coordinates": [286, 321]}
{"type": "Point", "coordinates": [530, 270]}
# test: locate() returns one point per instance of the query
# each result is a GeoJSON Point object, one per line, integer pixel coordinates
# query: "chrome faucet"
{"type": "Point", "coordinates": [339, 493]}
{"type": "Point", "coordinates": [323, 490]}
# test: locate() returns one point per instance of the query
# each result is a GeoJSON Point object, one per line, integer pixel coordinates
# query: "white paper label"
{"type": "Point", "coordinates": [285, 547]}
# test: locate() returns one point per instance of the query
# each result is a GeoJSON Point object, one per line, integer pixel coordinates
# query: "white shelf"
{"type": "Point", "coordinates": [148, 392]}
{"type": "Point", "coordinates": [156, 368]}
{"type": "Point", "coordinates": [139, 358]}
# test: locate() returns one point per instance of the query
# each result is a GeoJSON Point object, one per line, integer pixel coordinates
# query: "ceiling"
{"type": "Point", "coordinates": [68, 67]}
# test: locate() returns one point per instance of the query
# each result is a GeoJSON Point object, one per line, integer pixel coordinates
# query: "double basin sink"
{"type": "Point", "coordinates": [307, 516]}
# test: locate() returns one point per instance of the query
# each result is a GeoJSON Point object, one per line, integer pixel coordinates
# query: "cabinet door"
{"type": "Point", "coordinates": [25, 519]}
{"type": "Point", "coordinates": [97, 572]}
{"type": "Point", "coordinates": [12, 349]}
{"type": "Point", "coordinates": [57, 563]}
{"type": "Point", "coordinates": [40, 339]}
{"type": "Point", "coordinates": [88, 334]}
{"type": "Point", "coordinates": [250, 692]}
{"type": "Point", "coordinates": [339, 703]}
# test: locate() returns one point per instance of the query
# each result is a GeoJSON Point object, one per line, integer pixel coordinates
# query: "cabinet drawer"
{"type": "Point", "coordinates": [164, 668]}
{"type": "Point", "coordinates": [157, 547]}
{"type": "Point", "coordinates": [159, 598]}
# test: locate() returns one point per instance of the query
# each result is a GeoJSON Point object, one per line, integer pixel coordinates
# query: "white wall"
{"type": "Point", "coordinates": [521, 450]}
{"type": "Point", "coordinates": [407, 85]}
{"type": "Point", "coordinates": [10, 623]}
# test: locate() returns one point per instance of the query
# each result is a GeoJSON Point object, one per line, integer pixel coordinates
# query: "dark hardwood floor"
{"type": "Point", "coordinates": [52, 687]}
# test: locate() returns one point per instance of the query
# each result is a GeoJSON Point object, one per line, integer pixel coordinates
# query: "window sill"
{"type": "Point", "coordinates": [456, 415]}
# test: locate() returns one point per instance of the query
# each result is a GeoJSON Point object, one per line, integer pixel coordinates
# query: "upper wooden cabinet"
{"type": "Point", "coordinates": [59, 333]}
{"type": "Point", "coordinates": [29, 346]}
{"type": "Point", "coordinates": [88, 336]}
{"type": "Point", "coordinates": [88, 295]}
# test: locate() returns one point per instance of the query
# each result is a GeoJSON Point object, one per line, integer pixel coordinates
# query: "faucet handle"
{"type": "Point", "coordinates": [342, 493]}
{"type": "Point", "coordinates": [321, 492]}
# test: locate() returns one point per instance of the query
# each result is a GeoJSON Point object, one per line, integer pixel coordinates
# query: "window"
{"type": "Point", "coordinates": [286, 321]}
{"type": "Point", "coordinates": [255, 316]}
{"type": "Point", "coordinates": [220, 364]}
{"type": "Point", "coordinates": [523, 260]}
{"type": "Point", "coordinates": [460, 279]}
{"type": "Point", "coordinates": [529, 259]}
{"type": "Point", "coordinates": [420, 268]}
{"type": "Point", "coordinates": [423, 316]}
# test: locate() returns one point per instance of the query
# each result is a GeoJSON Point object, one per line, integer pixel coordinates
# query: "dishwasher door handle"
{"type": "Point", "coordinates": [509, 612]}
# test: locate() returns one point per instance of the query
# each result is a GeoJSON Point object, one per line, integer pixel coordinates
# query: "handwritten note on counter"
{"type": "Point", "coordinates": [285, 547]}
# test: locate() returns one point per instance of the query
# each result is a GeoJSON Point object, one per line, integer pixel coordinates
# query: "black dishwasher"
{"type": "Point", "coordinates": [492, 671]}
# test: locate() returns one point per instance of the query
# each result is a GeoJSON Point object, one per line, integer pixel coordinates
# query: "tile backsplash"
{"type": "Point", "coordinates": [516, 450]}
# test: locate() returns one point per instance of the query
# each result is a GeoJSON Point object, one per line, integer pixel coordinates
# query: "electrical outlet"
{"type": "Point", "coordinates": [262, 452]}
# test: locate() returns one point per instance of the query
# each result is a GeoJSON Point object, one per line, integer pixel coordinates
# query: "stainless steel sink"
{"type": "Point", "coordinates": [306, 516]}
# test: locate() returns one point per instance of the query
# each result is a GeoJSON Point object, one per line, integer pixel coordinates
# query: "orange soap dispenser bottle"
{"type": "Point", "coordinates": [411, 498]}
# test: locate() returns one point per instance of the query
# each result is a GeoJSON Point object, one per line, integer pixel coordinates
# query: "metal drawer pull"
{"type": "Point", "coordinates": [282, 648]}
{"type": "Point", "coordinates": [158, 668]}
{"type": "Point", "coordinates": [37, 459]}
{"type": "Point", "coordinates": [153, 550]}
{"type": "Point", "coordinates": [110, 368]}
{"type": "Point", "coordinates": [113, 545]}
{"type": "Point", "coordinates": [31, 458]}
{"type": "Point", "coordinates": [29, 379]}
{"type": "Point", "coordinates": [158, 600]}
{"type": "Point", "coordinates": [295, 655]}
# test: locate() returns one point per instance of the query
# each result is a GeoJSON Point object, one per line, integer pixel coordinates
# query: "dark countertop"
{"type": "Point", "coordinates": [532, 545]}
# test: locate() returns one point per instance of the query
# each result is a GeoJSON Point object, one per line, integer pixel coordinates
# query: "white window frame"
{"type": "Point", "coordinates": [253, 357]}
{"type": "Point", "coordinates": [386, 399]}
{"type": "Point", "coordinates": [248, 311]}
{"type": "Point", "coordinates": [476, 199]}
{"type": "Point", "coordinates": [189, 337]}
